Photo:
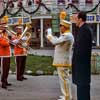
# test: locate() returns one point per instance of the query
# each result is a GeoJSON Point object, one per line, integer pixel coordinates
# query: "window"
{"type": "Point", "coordinates": [36, 1]}
{"type": "Point", "coordinates": [61, 1]}
{"type": "Point", "coordinates": [89, 1]}
{"type": "Point", "coordinates": [75, 1]}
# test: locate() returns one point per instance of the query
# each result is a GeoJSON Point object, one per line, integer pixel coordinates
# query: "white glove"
{"type": "Point", "coordinates": [15, 41]}
{"type": "Point", "coordinates": [24, 38]}
{"type": "Point", "coordinates": [24, 44]}
{"type": "Point", "coordinates": [49, 31]}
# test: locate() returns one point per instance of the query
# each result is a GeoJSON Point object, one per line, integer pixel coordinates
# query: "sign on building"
{"type": "Point", "coordinates": [98, 18]}
{"type": "Point", "coordinates": [19, 20]}
{"type": "Point", "coordinates": [91, 18]}
{"type": "Point", "coordinates": [55, 23]}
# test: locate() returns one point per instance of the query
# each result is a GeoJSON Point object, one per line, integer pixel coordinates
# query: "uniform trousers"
{"type": "Point", "coordinates": [5, 66]}
{"type": "Point", "coordinates": [65, 82]}
{"type": "Point", "coordinates": [0, 64]}
{"type": "Point", "coordinates": [83, 92]}
{"type": "Point", "coordinates": [20, 62]}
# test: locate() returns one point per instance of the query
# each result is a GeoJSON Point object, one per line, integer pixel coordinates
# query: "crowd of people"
{"type": "Point", "coordinates": [64, 59]}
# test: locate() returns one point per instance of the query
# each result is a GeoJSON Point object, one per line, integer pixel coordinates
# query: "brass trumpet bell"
{"type": "Point", "coordinates": [25, 36]}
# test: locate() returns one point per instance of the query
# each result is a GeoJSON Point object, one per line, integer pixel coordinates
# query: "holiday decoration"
{"type": "Point", "coordinates": [29, 2]}
{"type": "Point", "coordinates": [10, 4]}
{"type": "Point", "coordinates": [19, 4]}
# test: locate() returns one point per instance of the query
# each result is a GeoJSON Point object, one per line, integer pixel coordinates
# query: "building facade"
{"type": "Point", "coordinates": [48, 14]}
{"type": "Point", "coordinates": [45, 18]}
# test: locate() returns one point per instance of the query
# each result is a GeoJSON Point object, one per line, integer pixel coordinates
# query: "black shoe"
{"type": "Point", "coordinates": [8, 84]}
{"type": "Point", "coordinates": [4, 86]}
{"type": "Point", "coordinates": [20, 79]}
{"type": "Point", "coordinates": [24, 78]}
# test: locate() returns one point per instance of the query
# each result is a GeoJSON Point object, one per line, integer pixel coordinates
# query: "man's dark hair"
{"type": "Point", "coordinates": [82, 15]}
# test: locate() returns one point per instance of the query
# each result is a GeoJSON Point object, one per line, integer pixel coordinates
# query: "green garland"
{"type": "Point", "coordinates": [22, 7]}
{"type": "Point", "coordinates": [32, 11]}
{"type": "Point", "coordinates": [15, 12]}
{"type": "Point", "coordinates": [39, 4]}
{"type": "Point", "coordinates": [42, 4]}
{"type": "Point", "coordinates": [72, 5]}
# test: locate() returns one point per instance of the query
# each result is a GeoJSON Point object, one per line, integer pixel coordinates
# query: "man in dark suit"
{"type": "Point", "coordinates": [81, 60]}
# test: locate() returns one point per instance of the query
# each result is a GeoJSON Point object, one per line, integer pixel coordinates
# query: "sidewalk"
{"type": "Point", "coordinates": [43, 52]}
{"type": "Point", "coordinates": [42, 88]}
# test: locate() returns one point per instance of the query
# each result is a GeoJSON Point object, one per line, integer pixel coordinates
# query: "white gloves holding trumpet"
{"type": "Point", "coordinates": [49, 33]}
{"type": "Point", "coordinates": [16, 41]}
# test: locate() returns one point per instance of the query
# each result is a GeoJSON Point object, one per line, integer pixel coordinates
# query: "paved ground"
{"type": "Point", "coordinates": [42, 88]}
{"type": "Point", "coordinates": [43, 52]}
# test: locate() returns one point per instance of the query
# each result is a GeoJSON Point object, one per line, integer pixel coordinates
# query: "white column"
{"type": "Point", "coordinates": [71, 13]}
{"type": "Point", "coordinates": [98, 39]}
{"type": "Point", "coordinates": [95, 2]}
{"type": "Point", "coordinates": [41, 22]}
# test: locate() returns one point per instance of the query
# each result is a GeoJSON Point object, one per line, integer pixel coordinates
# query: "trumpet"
{"type": "Point", "coordinates": [10, 32]}
{"type": "Point", "coordinates": [23, 40]}
{"type": "Point", "coordinates": [25, 37]}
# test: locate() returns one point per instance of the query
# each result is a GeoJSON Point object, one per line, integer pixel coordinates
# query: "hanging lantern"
{"type": "Point", "coordinates": [63, 15]}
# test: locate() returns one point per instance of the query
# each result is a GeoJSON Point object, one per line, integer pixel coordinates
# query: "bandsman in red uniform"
{"type": "Point", "coordinates": [5, 54]}
{"type": "Point", "coordinates": [20, 54]}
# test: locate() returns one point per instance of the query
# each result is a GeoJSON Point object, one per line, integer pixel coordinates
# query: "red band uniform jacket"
{"type": "Point", "coordinates": [18, 50]}
{"type": "Point", "coordinates": [5, 50]}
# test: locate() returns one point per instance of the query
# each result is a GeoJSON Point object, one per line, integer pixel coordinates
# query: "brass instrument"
{"type": "Point", "coordinates": [10, 32]}
{"type": "Point", "coordinates": [23, 39]}
{"type": "Point", "coordinates": [28, 26]}
{"type": "Point", "coordinates": [25, 36]}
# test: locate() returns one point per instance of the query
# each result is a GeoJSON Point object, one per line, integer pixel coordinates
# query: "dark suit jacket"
{"type": "Point", "coordinates": [81, 60]}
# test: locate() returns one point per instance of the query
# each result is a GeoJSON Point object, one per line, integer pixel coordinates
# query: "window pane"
{"type": "Point", "coordinates": [61, 1]}
{"type": "Point", "coordinates": [75, 1]}
{"type": "Point", "coordinates": [89, 1]}
{"type": "Point", "coordinates": [36, 1]}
